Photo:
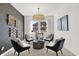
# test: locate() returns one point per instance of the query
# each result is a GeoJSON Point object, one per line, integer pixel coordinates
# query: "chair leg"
{"type": "Point", "coordinates": [47, 50]}
{"type": "Point", "coordinates": [14, 52]}
{"type": "Point", "coordinates": [56, 54]}
{"type": "Point", "coordinates": [28, 51]}
{"type": "Point", "coordinates": [29, 42]}
{"type": "Point", "coordinates": [61, 51]}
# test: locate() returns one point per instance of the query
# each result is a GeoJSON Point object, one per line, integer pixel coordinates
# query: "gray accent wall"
{"type": "Point", "coordinates": [6, 8]}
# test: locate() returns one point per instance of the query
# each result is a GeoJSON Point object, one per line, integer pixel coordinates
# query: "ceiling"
{"type": "Point", "coordinates": [28, 9]}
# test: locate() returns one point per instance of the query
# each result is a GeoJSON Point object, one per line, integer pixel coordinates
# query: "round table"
{"type": "Point", "coordinates": [38, 45]}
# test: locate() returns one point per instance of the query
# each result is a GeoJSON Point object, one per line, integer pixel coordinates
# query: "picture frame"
{"type": "Point", "coordinates": [10, 20]}
{"type": "Point", "coordinates": [62, 23]}
{"type": "Point", "coordinates": [65, 26]}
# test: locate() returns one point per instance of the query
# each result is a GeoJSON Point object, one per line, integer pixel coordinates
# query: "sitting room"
{"type": "Point", "coordinates": [39, 29]}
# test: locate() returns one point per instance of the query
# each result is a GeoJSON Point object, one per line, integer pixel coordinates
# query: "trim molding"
{"type": "Point", "coordinates": [6, 52]}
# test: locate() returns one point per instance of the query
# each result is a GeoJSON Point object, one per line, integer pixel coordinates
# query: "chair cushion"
{"type": "Point", "coordinates": [25, 44]}
{"type": "Point", "coordinates": [22, 43]}
{"type": "Point", "coordinates": [54, 42]}
{"type": "Point", "coordinates": [30, 39]}
{"type": "Point", "coordinates": [47, 39]}
{"type": "Point", "coordinates": [51, 43]}
{"type": "Point", "coordinates": [19, 42]}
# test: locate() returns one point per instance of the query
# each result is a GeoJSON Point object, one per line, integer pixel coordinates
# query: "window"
{"type": "Point", "coordinates": [40, 26]}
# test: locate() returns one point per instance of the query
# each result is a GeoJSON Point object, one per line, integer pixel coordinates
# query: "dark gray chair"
{"type": "Point", "coordinates": [57, 47]}
{"type": "Point", "coordinates": [51, 37]}
{"type": "Point", "coordinates": [19, 48]}
{"type": "Point", "coordinates": [26, 38]}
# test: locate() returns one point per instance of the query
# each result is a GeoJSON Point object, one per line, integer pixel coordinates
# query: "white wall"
{"type": "Point", "coordinates": [71, 36]}
{"type": "Point", "coordinates": [50, 24]}
{"type": "Point", "coordinates": [27, 20]}
{"type": "Point", "coordinates": [50, 20]}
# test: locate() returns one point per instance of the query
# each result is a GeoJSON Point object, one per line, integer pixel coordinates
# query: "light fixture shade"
{"type": "Point", "coordinates": [38, 17]}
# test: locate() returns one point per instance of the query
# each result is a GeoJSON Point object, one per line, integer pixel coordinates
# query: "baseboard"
{"type": "Point", "coordinates": [3, 54]}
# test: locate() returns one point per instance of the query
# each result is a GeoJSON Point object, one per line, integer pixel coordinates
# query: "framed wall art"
{"type": "Point", "coordinates": [65, 26]}
{"type": "Point", "coordinates": [10, 20]}
{"type": "Point", "coordinates": [62, 23]}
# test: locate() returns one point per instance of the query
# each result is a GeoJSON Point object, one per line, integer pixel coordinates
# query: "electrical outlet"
{"type": "Point", "coordinates": [2, 48]}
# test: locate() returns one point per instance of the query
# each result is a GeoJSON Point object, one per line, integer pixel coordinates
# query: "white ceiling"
{"type": "Point", "coordinates": [28, 9]}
